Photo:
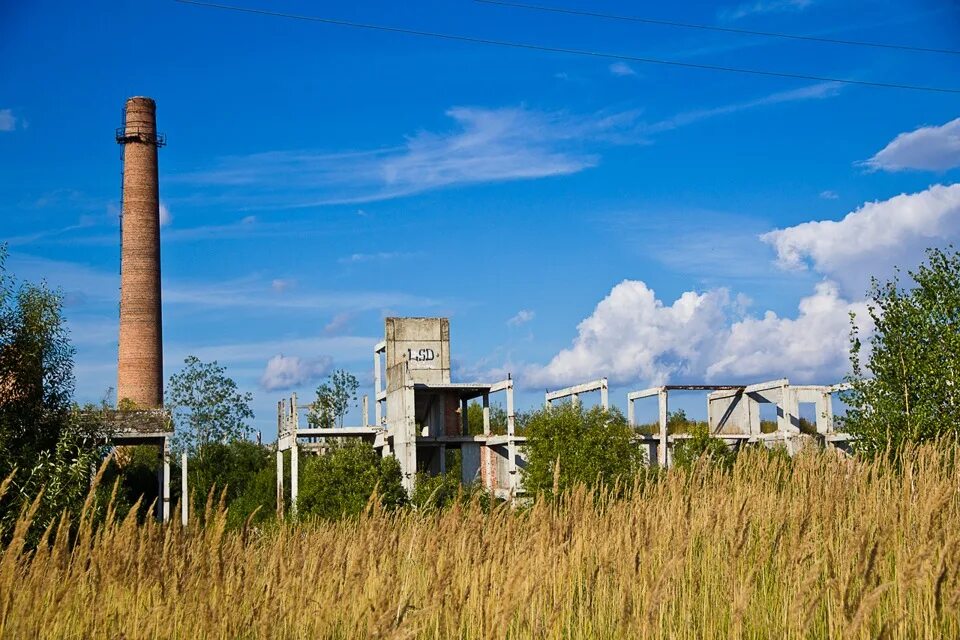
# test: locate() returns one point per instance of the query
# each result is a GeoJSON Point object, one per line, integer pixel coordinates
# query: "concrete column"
{"type": "Point", "coordinates": [166, 480]}
{"type": "Point", "coordinates": [604, 395]}
{"type": "Point", "coordinates": [184, 492]}
{"type": "Point", "coordinates": [366, 411]}
{"type": "Point", "coordinates": [464, 421]}
{"type": "Point", "coordinates": [279, 483]}
{"type": "Point", "coordinates": [575, 399]}
{"type": "Point", "coordinates": [631, 413]}
{"type": "Point", "coordinates": [377, 408]}
{"type": "Point", "coordinates": [825, 414]}
{"type": "Point", "coordinates": [662, 457]}
{"type": "Point", "coordinates": [294, 477]}
{"type": "Point", "coordinates": [511, 445]}
{"type": "Point", "coordinates": [486, 414]}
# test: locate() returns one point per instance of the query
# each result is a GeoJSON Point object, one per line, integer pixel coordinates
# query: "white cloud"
{"type": "Point", "coordinates": [280, 284]}
{"type": "Point", "coordinates": [283, 372]}
{"type": "Point", "coordinates": [757, 7]}
{"type": "Point", "coordinates": [338, 323]}
{"type": "Point", "coordinates": [829, 195]}
{"type": "Point", "coordinates": [622, 69]}
{"type": "Point", "coordinates": [816, 91]}
{"type": "Point", "coordinates": [926, 148]}
{"type": "Point", "coordinates": [486, 145]}
{"type": "Point", "coordinates": [8, 121]}
{"type": "Point", "coordinates": [523, 317]}
{"type": "Point", "coordinates": [165, 217]}
{"type": "Point", "coordinates": [355, 258]}
{"type": "Point", "coordinates": [812, 346]}
{"type": "Point", "coordinates": [634, 338]}
{"type": "Point", "coordinates": [872, 239]}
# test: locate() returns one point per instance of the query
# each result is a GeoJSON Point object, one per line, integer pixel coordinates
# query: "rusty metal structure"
{"type": "Point", "coordinates": [140, 360]}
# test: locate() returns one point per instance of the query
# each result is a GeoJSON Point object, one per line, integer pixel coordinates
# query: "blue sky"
{"type": "Point", "coordinates": [574, 216]}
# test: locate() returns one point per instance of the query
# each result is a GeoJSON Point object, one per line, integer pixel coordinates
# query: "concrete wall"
{"type": "Point", "coordinates": [425, 343]}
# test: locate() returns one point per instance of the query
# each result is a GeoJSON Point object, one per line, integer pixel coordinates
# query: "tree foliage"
{"type": "Point", "coordinates": [908, 390]}
{"type": "Point", "coordinates": [568, 445]}
{"type": "Point", "coordinates": [498, 419]}
{"type": "Point", "coordinates": [241, 472]}
{"type": "Point", "coordinates": [206, 406]}
{"type": "Point", "coordinates": [702, 446]}
{"type": "Point", "coordinates": [341, 482]}
{"type": "Point", "coordinates": [334, 399]}
{"type": "Point", "coordinates": [45, 442]}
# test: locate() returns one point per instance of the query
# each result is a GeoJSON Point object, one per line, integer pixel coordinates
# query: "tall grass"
{"type": "Point", "coordinates": [819, 547]}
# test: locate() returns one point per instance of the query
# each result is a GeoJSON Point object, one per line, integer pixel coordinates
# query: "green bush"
{"type": "Point", "coordinates": [341, 482]}
{"type": "Point", "coordinates": [569, 445]}
{"type": "Point", "coordinates": [702, 445]}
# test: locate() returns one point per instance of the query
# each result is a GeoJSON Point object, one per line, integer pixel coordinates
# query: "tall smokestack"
{"type": "Point", "coordinates": [140, 363]}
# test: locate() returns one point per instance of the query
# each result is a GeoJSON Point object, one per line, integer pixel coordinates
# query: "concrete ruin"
{"type": "Point", "coordinates": [733, 415]}
{"type": "Point", "coordinates": [421, 414]}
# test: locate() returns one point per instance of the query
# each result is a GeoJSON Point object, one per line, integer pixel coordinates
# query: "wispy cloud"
{"type": "Point", "coordinates": [381, 256]}
{"type": "Point", "coordinates": [816, 91]}
{"type": "Point", "coordinates": [763, 7]}
{"type": "Point", "coordinates": [485, 146]}
{"type": "Point", "coordinates": [521, 318]}
{"type": "Point", "coordinates": [8, 121]}
{"type": "Point", "coordinates": [165, 216]}
{"type": "Point", "coordinates": [829, 195]}
{"type": "Point", "coordinates": [622, 69]}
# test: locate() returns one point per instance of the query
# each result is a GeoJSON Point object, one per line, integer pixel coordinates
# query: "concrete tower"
{"type": "Point", "coordinates": [140, 363]}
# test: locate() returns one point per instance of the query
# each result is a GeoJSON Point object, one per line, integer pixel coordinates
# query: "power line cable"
{"type": "Point", "coordinates": [708, 27]}
{"type": "Point", "coordinates": [571, 51]}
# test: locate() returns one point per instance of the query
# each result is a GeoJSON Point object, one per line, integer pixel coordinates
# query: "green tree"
{"type": "Point", "coordinates": [498, 419]}
{"type": "Point", "coordinates": [46, 443]}
{"type": "Point", "coordinates": [591, 446]}
{"type": "Point", "coordinates": [334, 399]}
{"type": "Point", "coordinates": [341, 482]}
{"type": "Point", "coordinates": [908, 390]}
{"type": "Point", "coordinates": [240, 471]}
{"type": "Point", "coordinates": [206, 406]}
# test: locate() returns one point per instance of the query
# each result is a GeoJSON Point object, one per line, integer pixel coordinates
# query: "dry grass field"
{"type": "Point", "coordinates": [817, 548]}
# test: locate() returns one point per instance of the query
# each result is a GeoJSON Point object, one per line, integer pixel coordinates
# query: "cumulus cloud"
{"type": "Point", "coordinates": [285, 372]}
{"type": "Point", "coordinates": [812, 346]}
{"type": "Point", "coordinates": [925, 149]}
{"type": "Point", "coordinates": [523, 317]}
{"type": "Point", "coordinates": [871, 239]}
{"type": "Point", "coordinates": [634, 338]}
{"type": "Point", "coordinates": [8, 121]}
